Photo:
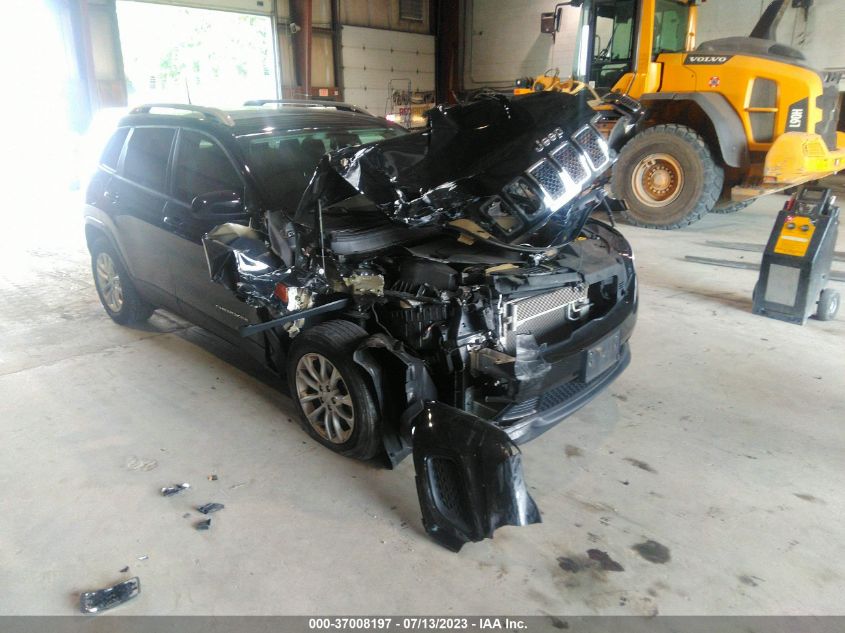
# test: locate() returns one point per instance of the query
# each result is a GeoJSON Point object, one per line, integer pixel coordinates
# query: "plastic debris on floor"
{"type": "Point", "coordinates": [110, 597]}
{"type": "Point", "coordinates": [169, 491]}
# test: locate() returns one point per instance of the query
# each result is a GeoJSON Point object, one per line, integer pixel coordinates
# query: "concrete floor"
{"type": "Point", "coordinates": [723, 442]}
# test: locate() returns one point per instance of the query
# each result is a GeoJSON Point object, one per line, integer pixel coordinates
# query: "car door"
{"type": "Point", "coordinates": [136, 196]}
{"type": "Point", "coordinates": [201, 166]}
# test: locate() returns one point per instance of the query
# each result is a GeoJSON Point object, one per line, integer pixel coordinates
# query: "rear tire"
{"type": "Point", "coordinates": [117, 293]}
{"type": "Point", "coordinates": [332, 394]}
{"type": "Point", "coordinates": [668, 178]}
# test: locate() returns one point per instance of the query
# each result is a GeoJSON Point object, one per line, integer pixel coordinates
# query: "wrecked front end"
{"type": "Point", "coordinates": [495, 305]}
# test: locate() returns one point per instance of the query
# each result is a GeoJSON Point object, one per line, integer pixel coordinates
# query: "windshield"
{"type": "Point", "coordinates": [283, 160]}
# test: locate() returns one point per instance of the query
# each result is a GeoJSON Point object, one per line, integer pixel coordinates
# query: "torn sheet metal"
{"type": "Point", "coordinates": [481, 161]}
{"type": "Point", "coordinates": [110, 597]}
{"type": "Point", "coordinates": [239, 259]}
{"type": "Point", "coordinates": [469, 477]}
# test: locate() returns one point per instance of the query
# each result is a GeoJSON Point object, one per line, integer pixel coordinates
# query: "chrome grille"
{"type": "Point", "coordinates": [572, 162]}
{"type": "Point", "coordinates": [548, 178]}
{"type": "Point", "coordinates": [594, 146]}
{"type": "Point", "coordinates": [540, 314]}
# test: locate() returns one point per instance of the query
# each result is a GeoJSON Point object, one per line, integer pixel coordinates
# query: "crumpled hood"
{"type": "Point", "coordinates": [506, 164]}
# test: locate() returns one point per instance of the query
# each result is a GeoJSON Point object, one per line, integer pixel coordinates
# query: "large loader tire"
{"type": "Point", "coordinates": [731, 207]}
{"type": "Point", "coordinates": [668, 177]}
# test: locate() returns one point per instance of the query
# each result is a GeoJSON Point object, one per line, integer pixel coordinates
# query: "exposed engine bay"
{"type": "Point", "coordinates": [495, 305]}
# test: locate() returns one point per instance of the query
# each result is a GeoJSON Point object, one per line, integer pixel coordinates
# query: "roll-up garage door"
{"type": "Point", "coordinates": [371, 58]}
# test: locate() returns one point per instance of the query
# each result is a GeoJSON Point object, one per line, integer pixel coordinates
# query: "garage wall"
{"type": "Point", "coordinates": [370, 58]}
{"type": "Point", "coordinates": [384, 14]}
{"type": "Point", "coordinates": [106, 55]}
{"type": "Point", "coordinates": [503, 39]}
{"type": "Point", "coordinates": [819, 37]}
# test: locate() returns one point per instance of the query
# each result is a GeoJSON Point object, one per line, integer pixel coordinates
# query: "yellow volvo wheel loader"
{"type": "Point", "coordinates": [728, 120]}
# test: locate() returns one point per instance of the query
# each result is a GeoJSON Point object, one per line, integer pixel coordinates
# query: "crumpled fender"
{"type": "Point", "coordinates": [239, 260]}
{"type": "Point", "coordinates": [402, 383]}
{"type": "Point", "coordinates": [469, 477]}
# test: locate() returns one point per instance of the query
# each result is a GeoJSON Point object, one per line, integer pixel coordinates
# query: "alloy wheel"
{"type": "Point", "coordinates": [324, 398]}
{"type": "Point", "coordinates": [108, 280]}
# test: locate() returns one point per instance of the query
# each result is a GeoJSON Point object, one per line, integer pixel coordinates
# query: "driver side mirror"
{"type": "Point", "coordinates": [219, 206]}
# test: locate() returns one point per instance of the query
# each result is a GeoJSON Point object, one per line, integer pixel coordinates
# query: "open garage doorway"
{"type": "Point", "coordinates": [202, 56]}
{"type": "Point", "coordinates": [45, 111]}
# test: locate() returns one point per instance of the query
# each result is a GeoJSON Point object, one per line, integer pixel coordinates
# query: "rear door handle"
{"type": "Point", "coordinates": [112, 197]}
{"type": "Point", "coordinates": [174, 221]}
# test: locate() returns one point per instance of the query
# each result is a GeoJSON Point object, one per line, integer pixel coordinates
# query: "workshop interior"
{"type": "Point", "coordinates": [402, 314]}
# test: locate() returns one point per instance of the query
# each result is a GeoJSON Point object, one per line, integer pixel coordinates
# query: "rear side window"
{"type": "Point", "coordinates": [112, 151]}
{"type": "Point", "coordinates": [146, 156]}
{"type": "Point", "coordinates": [202, 167]}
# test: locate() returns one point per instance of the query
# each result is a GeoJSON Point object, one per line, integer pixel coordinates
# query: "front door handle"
{"type": "Point", "coordinates": [112, 196]}
{"type": "Point", "coordinates": [173, 221]}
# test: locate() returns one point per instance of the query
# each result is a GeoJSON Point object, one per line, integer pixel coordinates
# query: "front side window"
{"type": "Point", "coordinates": [202, 167]}
{"type": "Point", "coordinates": [670, 27]}
{"type": "Point", "coordinates": [146, 156]}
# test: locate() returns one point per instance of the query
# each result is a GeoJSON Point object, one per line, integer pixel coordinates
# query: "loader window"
{"type": "Point", "coordinates": [670, 27]}
{"type": "Point", "coordinates": [612, 42]}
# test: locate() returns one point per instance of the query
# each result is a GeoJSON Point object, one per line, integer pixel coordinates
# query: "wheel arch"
{"type": "Point", "coordinates": [401, 384]}
{"type": "Point", "coordinates": [708, 114]}
{"type": "Point", "coordinates": [95, 230]}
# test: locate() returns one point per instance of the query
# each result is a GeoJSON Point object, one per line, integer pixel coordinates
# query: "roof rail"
{"type": "Point", "coordinates": [306, 103]}
{"type": "Point", "coordinates": [212, 113]}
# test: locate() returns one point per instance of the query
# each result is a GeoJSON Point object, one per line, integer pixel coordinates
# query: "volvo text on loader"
{"type": "Point", "coordinates": [728, 120]}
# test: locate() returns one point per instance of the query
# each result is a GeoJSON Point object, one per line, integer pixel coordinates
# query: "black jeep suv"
{"type": "Point", "coordinates": [443, 292]}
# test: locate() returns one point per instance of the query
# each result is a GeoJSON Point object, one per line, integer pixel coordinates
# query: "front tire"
{"type": "Point", "coordinates": [333, 397]}
{"type": "Point", "coordinates": [117, 293]}
{"type": "Point", "coordinates": [668, 178]}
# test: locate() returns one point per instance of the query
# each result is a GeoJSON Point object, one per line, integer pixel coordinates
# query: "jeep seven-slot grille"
{"type": "Point", "coordinates": [549, 179]}
{"type": "Point", "coordinates": [570, 160]}
{"type": "Point", "coordinates": [540, 314]}
{"type": "Point", "coordinates": [594, 146]}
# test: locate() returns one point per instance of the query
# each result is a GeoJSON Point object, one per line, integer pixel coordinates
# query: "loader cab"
{"type": "Point", "coordinates": [611, 33]}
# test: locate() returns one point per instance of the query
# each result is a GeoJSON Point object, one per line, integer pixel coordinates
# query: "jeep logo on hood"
{"type": "Point", "coordinates": [706, 60]}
